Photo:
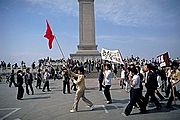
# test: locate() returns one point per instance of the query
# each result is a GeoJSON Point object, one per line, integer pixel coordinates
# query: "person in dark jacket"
{"type": "Point", "coordinates": [39, 79]}
{"type": "Point", "coordinates": [12, 80]}
{"type": "Point", "coordinates": [100, 79]}
{"type": "Point", "coordinates": [19, 85]}
{"type": "Point", "coordinates": [151, 85]}
{"type": "Point", "coordinates": [29, 81]}
{"type": "Point", "coordinates": [66, 82]}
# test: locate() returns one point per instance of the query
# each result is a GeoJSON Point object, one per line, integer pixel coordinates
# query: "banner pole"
{"type": "Point", "coordinates": [59, 48]}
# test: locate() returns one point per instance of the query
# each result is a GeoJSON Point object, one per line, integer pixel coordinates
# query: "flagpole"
{"type": "Point", "coordinates": [59, 47]}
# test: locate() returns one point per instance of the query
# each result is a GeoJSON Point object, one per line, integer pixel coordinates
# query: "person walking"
{"type": "Point", "coordinates": [135, 93]}
{"type": "Point", "coordinates": [151, 85]}
{"type": "Point", "coordinates": [39, 79]}
{"type": "Point", "coordinates": [46, 80]}
{"type": "Point", "coordinates": [100, 79]}
{"type": "Point", "coordinates": [169, 86]}
{"type": "Point", "coordinates": [29, 81]}
{"type": "Point", "coordinates": [12, 80]}
{"type": "Point", "coordinates": [122, 77]}
{"type": "Point", "coordinates": [19, 85]}
{"type": "Point", "coordinates": [107, 83]}
{"type": "Point", "coordinates": [80, 93]}
{"type": "Point", "coordinates": [66, 79]}
{"type": "Point", "coordinates": [175, 84]}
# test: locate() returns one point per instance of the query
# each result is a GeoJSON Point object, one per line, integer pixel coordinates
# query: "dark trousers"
{"type": "Point", "coordinates": [20, 92]}
{"type": "Point", "coordinates": [46, 84]}
{"type": "Point", "coordinates": [135, 95]}
{"type": "Point", "coordinates": [141, 97]}
{"type": "Point", "coordinates": [38, 84]}
{"type": "Point", "coordinates": [164, 85]}
{"type": "Point", "coordinates": [169, 87]}
{"type": "Point", "coordinates": [171, 98]}
{"type": "Point", "coordinates": [100, 85]}
{"type": "Point", "coordinates": [107, 92]}
{"type": "Point", "coordinates": [12, 81]}
{"type": "Point", "coordinates": [27, 89]}
{"type": "Point", "coordinates": [121, 84]}
{"type": "Point", "coordinates": [73, 86]}
{"type": "Point", "coordinates": [159, 95]}
{"type": "Point", "coordinates": [66, 84]}
{"type": "Point", "coordinates": [151, 93]}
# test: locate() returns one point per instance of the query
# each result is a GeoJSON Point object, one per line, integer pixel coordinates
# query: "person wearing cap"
{"type": "Point", "coordinates": [80, 93]}
{"type": "Point", "coordinates": [175, 83]}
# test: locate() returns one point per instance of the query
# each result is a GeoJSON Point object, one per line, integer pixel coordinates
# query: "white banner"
{"type": "Point", "coordinates": [111, 55]}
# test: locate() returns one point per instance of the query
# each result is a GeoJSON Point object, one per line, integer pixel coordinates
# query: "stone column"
{"type": "Point", "coordinates": [87, 48]}
{"type": "Point", "coordinates": [86, 25]}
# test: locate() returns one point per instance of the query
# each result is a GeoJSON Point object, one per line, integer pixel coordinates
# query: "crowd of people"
{"type": "Point", "coordinates": [135, 73]}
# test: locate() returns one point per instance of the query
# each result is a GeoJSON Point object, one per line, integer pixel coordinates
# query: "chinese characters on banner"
{"type": "Point", "coordinates": [111, 55]}
{"type": "Point", "coordinates": [163, 59]}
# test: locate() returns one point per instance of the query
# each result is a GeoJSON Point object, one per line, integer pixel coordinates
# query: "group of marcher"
{"type": "Point", "coordinates": [27, 78]}
{"type": "Point", "coordinates": [130, 75]}
{"type": "Point", "coordinates": [135, 79]}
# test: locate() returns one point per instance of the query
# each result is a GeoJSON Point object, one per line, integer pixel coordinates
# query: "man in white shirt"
{"type": "Point", "coordinates": [135, 92]}
{"type": "Point", "coordinates": [122, 77]}
{"type": "Point", "coordinates": [46, 80]}
{"type": "Point", "coordinates": [107, 83]}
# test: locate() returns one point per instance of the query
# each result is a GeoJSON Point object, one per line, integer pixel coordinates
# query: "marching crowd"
{"type": "Point", "coordinates": [136, 74]}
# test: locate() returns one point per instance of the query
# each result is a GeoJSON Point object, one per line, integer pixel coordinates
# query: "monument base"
{"type": "Point", "coordinates": [83, 55]}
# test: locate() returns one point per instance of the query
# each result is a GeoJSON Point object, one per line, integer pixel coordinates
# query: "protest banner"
{"type": "Point", "coordinates": [111, 55]}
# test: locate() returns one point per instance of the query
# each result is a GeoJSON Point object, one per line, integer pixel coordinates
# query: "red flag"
{"type": "Point", "coordinates": [49, 35]}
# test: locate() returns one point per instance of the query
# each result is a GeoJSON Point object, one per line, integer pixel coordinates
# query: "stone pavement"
{"type": "Point", "coordinates": [55, 105]}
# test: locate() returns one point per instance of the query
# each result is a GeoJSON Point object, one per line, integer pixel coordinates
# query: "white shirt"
{"type": "Point", "coordinates": [146, 75]}
{"type": "Point", "coordinates": [135, 82]}
{"type": "Point", "coordinates": [169, 73]}
{"type": "Point", "coordinates": [123, 74]}
{"type": "Point", "coordinates": [46, 76]}
{"type": "Point", "coordinates": [107, 77]}
{"type": "Point", "coordinates": [159, 80]}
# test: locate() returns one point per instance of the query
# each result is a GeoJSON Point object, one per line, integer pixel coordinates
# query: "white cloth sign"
{"type": "Point", "coordinates": [111, 55]}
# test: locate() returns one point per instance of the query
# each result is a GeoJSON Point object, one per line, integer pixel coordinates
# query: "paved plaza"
{"type": "Point", "coordinates": [55, 105]}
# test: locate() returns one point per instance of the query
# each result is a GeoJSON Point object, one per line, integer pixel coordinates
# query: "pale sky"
{"type": "Point", "coordinates": [144, 28]}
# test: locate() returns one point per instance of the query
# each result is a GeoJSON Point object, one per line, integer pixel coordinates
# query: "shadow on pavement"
{"type": "Point", "coordinates": [35, 98]}
{"type": "Point", "coordinates": [43, 93]}
{"type": "Point", "coordinates": [125, 101]}
{"type": "Point", "coordinates": [163, 109]}
{"type": "Point", "coordinates": [85, 110]}
{"type": "Point", "coordinates": [92, 88]}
